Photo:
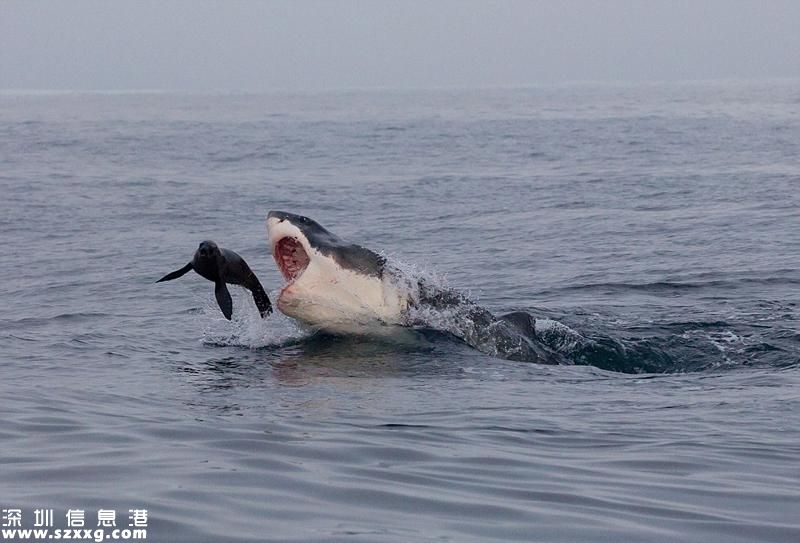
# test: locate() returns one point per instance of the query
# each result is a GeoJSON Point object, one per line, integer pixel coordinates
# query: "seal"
{"type": "Point", "coordinates": [222, 266]}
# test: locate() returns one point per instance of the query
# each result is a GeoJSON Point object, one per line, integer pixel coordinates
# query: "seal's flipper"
{"type": "Point", "coordinates": [177, 273]}
{"type": "Point", "coordinates": [260, 297]}
{"type": "Point", "coordinates": [262, 301]}
{"type": "Point", "coordinates": [251, 283]}
{"type": "Point", "coordinates": [224, 299]}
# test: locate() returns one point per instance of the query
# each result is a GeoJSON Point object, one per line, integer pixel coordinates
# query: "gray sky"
{"type": "Point", "coordinates": [299, 45]}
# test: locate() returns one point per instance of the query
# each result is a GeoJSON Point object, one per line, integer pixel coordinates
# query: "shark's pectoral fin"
{"type": "Point", "coordinates": [176, 273]}
{"type": "Point", "coordinates": [224, 299]}
{"type": "Point", "coordinates": [522, 321]}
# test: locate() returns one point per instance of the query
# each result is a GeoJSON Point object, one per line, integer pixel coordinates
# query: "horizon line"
{"type": "Point", "coordinates": [345, 89]}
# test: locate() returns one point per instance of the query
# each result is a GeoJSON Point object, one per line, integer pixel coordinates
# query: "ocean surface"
{"type": "Point", "coordinates": [659, 222]}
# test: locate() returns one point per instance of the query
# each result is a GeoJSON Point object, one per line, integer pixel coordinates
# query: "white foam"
{"type": "Point", "coordinates": [558, 336]}
{"type": "Point", "coordinates": [247, 328]}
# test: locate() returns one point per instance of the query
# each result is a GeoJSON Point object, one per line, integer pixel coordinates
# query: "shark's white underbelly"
{"type": "Point", "coordinates": [339, 300]}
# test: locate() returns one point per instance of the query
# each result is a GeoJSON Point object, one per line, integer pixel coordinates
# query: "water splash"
{"type": "Point", "coordinates": [434, 304]}
{"type": "Point", "coordinates": [248, 328]}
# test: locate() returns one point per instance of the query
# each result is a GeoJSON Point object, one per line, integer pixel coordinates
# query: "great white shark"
{"type": "Point", "coordinates": [340, 287]}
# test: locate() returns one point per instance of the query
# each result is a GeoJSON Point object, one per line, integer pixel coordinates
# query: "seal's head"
{"type": "Point", "coordinates": [208, 249]}
{"type": "Point", "coordinates": [206, 260]}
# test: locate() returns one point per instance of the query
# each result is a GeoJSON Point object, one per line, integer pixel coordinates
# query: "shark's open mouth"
{"type": "Point", "coordinates": [291, 258]}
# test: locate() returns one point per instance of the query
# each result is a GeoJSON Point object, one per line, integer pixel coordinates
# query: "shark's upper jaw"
{"type": "Point", "coordinates": [288, 248]}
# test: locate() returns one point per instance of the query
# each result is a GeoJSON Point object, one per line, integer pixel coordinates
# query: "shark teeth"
{"type": "Point", "coordinates": [291, 258]}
